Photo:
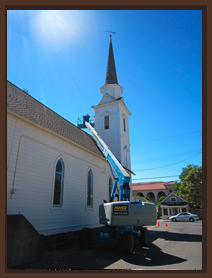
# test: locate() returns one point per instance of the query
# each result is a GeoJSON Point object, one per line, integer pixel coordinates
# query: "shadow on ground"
{"type": "Point", "coordinates": [101, 256]}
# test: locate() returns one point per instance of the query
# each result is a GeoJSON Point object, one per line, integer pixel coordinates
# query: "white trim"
{"type": "Point", "coordinates": [125, 141]}
{"type": "Point", "coordinates": [105, 97]}
{"type": "Point", "coordinates": [113, 103]}
{"type": "Point", "coordinates": [174, 206]}
{"type": "Point", "coordinates": [111, 85]}
{"type": "Point", "coordinates": [106, 113]}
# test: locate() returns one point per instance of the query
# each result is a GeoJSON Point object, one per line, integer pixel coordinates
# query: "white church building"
{"type": "Point", "coordinates": [56, 175]}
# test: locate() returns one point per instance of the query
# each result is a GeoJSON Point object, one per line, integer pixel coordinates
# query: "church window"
{"type": "Point", "coordinates": [124, 123]}
{"type": "Point", "coordinates": [106, 125]}
{"type": "Point", "coordinates": [59, 184]}
{"type": "Point", "coordinates": [90, 189]}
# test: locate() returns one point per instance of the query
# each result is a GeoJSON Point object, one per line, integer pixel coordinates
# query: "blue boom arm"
{"type": "Point", "coordinates": [122, 177]}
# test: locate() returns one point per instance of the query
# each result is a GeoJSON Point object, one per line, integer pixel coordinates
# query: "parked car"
{"type": "Point", "coordinates": [184, 216]}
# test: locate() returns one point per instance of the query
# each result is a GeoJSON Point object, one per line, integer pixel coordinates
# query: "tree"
{"type": "Point", "coordinates": [176, 188]}
{"type": "Point", "coordinates": [190, 187]}
{"type": "Point", "coordinates": [159, 205]}
{"type": "Point", "coordinates": [148, 199]}
{"type": "Point", "coordinates": [161, 199]}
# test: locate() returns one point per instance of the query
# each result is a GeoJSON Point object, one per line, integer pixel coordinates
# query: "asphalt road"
{"type": "Point", "coordinates": [175, 246]}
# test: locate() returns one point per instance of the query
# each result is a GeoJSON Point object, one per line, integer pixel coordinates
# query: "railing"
{"type": "Point", "coordinates": [87, 118]}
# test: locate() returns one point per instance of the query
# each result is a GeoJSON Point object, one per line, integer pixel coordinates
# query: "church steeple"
{"type": "Point", "coordinates": [111, 114]}
{"type": "Point", "coordinates": [111, 86]}
{"type": "Point", "coordinates": [111, 77]}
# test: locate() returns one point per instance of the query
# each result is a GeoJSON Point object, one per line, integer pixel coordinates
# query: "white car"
{"type": "Point", "coordinates": [184, 216]}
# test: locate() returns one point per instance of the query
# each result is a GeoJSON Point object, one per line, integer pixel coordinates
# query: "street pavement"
{"type": "Point", "coordinates": [172, 246]}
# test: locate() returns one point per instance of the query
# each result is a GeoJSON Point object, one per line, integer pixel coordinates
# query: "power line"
{"type": "Point", "coordinates": [166, 165]}
{"type": "Point", "coordinates": [157, 177]}
{"type": "Point", "coordinates": [165, 141]}
{"type": "Point", "coordinates": [171, 156]}
{"type": "Point", "coordinates": [155, 141]}
{"type": "Point", "coordinates": [167, 137]}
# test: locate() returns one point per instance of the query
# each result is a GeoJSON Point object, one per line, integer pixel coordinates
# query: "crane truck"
{"type": "Point", "coordinates": [123, 221]}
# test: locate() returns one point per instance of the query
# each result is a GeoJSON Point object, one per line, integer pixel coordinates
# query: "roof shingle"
{"type": "Point", "coordinates": [28, 107]}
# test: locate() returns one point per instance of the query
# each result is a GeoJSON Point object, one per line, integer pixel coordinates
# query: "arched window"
{"type": "Point", "coordinates": [59, 184]}
{"type": "Point", "coordinates": [151, 195]}
{"type": "Point", "coordinates": [140, 194]}
{"type": "Point", "coordinates": [161, 193]}
{"type": "Point", "coordinates": [90, 189]}
{"type": "Point", "coordinates": [110, 186]}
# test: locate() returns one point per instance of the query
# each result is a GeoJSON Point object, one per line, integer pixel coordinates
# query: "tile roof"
{"type": "Point", "coordinates": [142, 186]}
{"type": "Point", "coordinates": [28, 107]}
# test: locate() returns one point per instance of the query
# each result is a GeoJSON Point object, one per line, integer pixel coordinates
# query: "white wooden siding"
{"type": "Point", "coordinates": [32, 153]}
{"type": "Point", "coordinates": [123, 133]}
{"type": "Point", "coordinates": [125, 136]}
{"type": "Point", "coordinates": [115, 137]}
{"type": "Point", "coordinates": [110, 136]}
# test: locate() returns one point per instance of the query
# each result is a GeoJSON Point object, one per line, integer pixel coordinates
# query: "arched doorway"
{"type": "Point", "coordinates": [140, 194]}
{"type": "Point", "coordinates": [161, 193]}
{"type": "Point", "coordinates": [151, 196]}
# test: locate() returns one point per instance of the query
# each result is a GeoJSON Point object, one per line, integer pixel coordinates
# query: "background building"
{"type": "Point", "coordinates": [172, 205]}
{"type": "Point", "coordinates": [154, 190]}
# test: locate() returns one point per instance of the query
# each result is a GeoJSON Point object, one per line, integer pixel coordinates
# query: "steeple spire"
{"type": "Point", "coordinates": [111, 77]}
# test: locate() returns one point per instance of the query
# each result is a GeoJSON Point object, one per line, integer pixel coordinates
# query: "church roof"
{"type": "Point", "coordinates": [111, 77]}
{"type": "Point", "coordinates": [31, 109]}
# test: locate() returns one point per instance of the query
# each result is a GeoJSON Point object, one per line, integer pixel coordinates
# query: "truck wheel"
{"type": "Point", "coordinates": [127, 243]}
{"type": "Point", "coordinates": [143, 237]}
{"type": "Point", "coordinates": [85, 238]}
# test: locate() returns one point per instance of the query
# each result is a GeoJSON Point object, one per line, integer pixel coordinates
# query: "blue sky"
{"type": "Point", "coordinates": [60, 57]}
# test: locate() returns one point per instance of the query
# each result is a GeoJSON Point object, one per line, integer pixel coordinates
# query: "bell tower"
{"type": "Point", "coordinates": [111, 114]}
